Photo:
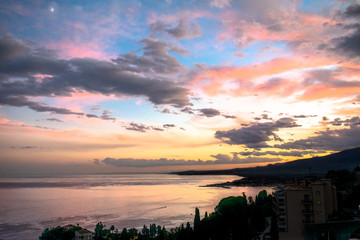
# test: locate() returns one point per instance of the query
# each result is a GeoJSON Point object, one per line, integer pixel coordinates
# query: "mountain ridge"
{"type": "Point", "coordinates": [347, 159]}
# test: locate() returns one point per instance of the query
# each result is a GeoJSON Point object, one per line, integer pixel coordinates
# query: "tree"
{"type": "Point", "coordinates": [124, 235]}
{"type": "Point", "coordinates": [133, 232]}
{"type": "Point", "coordinates": [152, 230]}
{"type": "Point", "coordinates": [145, 231]}
{"type": "Point", "coordinates": [99, 230]}
{"type": "Point", "coordinates": [196, 219]}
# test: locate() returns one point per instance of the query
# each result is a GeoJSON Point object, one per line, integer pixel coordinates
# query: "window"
{"type": "Point", "coordinates": [318, 202]}
{"type": "Point", "coordinates": [318, 192]}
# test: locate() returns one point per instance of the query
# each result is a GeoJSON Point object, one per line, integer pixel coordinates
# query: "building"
{"type": "Point", "coordinates": [311, 202]}
{"type": "Point", "coordinates": [83, 234]}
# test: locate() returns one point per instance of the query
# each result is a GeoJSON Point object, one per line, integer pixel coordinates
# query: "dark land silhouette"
{"type": "Point", "coordinates": [347, 159]}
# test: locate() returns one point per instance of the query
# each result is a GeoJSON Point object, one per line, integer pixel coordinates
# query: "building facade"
{"type": "Point", "coordinates": [83, 234]}
{"type": "Point", "coordinates": [306, 203]}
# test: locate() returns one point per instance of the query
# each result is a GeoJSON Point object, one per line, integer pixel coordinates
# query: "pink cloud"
{"type": "Point", "coordinates": [305, 79]}
{"type": "Point", "coordinates": [76, 49]}
{"type": "Point", "coordinates": [80, 99]}
{"type": "Point", "coordinates": [297, 27]}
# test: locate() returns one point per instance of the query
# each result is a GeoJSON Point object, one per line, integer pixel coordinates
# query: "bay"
{"type": "Point", "coordinates": [29, 205]}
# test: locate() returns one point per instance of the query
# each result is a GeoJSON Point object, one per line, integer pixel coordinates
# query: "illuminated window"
{"type": "Point", "coordinates": [318, 202]}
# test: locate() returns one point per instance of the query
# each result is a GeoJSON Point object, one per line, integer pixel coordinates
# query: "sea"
{"type": "Point", "coordinates": [28, 205]}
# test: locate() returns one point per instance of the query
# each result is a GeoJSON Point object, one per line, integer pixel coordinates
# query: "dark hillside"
{"type": "Point", "coordinates": [347, 159]}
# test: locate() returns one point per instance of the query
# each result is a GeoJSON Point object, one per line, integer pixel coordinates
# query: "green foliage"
{"type": "Point", "coordinates": [58, 233]}
{"type": "Point", "coordinates": [342, 179]}
{"type": "Point", "coordinates": [124, 235]}
{"type": "Point", "coordinates": [353, 199]}
{"type": "Point", "coordinates": [145, 231]}
{"type": "Point", "coordinates": [99, 231]}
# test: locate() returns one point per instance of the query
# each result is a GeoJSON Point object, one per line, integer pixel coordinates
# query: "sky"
{"type": "Point", "coordinates": [158, 86]}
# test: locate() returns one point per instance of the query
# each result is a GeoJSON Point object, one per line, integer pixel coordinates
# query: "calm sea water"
{"type": "Point", "coordinates": [28, 205]}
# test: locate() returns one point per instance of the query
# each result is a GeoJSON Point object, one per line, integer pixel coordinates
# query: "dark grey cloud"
{"type": "Point", "coordinates": [188, 110]}
{"type": "Point", "coordinates": [154, 60]}
{"type": "Point", "coordinates": [235, 159]}
{"type": "Point", "coordinates": [352, 11]}
{"type": "Point", "coordinates": [157, 129]}
{"type": "Point", "coordinates": [168, 125]}
{"type": "Point", "coordinates": [106, 116]}
{"type": "Point", "coordinates": [205, 112]}
{"type": "Point", "coordinates": [348, 45]}
{"type": "Point", "coordinates": [130, 162]}
{"type": "Point", "coordinates": [96, 108]}
{"type": "Point", "coordinates": [220, 159]}
{"type": "Point", "coordinates": [265, 117]}
{"type": "Point", "coordinates": [328, 78]}
{"type": "Point", "coordinates": [304, 116]}
{"type": "Point", "coordinates": [257, 134]}
{"type": "Point", "coordinates": [209, 112]}
{"type": "Point", "coordinates": [228, 116]}
{"type": "Point", "coordinates": [137, 127]}
{"type": "Point", "coordinates": [354, 121]}
{"type": "Point", "coordinates": [336, 122]}
{"type": "Point", "coordinates": [92, 115]}
{"type": "Point", "coordinates": [184, 29]}
{"type": "Point", "coordinates": [22, 101]}
{"type": "Point", "coordinates": [19, 63]}
{"type": "Point", "coordinates": [331, 140]}
{"type": "Point", "coordinates": [277, 153]}
{"type": "Point", "coordinates": [11, 48]}
{"type": "Point", "coordinates": [54, 120]}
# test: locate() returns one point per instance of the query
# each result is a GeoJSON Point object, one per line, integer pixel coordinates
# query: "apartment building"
{"type": "Point", "coordinates": [309, 202]}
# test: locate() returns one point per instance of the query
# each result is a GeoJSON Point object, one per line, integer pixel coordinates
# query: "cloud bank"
{"type": "Point", "coordinates": [256, 135]}
{"type": "Point", "coordinates": [20, 64]}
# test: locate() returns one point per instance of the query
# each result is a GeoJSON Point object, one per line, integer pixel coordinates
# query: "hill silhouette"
{"type": "Point", "coordinates": [347, 159]}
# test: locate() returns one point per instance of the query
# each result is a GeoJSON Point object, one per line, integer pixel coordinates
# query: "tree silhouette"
{"type": "Point", "coordinates": [196, 219]}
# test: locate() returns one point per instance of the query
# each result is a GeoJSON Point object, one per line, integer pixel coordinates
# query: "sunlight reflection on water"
{"type": "Point", "coordinates": [29, 205]}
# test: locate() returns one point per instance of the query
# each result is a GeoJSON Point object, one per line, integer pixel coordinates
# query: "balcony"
{"type": "Point", "coordinates": [306, 201]}
{"type": "Point", "coordinates": [308, 221]}
{"type": "Point", "coordinates": [282, 197]}
{"type": "Point", "coordinates": [282, 227]}
{"type": "Point", "coordinates": [306, 211]}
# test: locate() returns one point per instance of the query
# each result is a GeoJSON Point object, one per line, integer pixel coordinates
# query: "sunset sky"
{"type": "Point", "coordinates": [157, 86]}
